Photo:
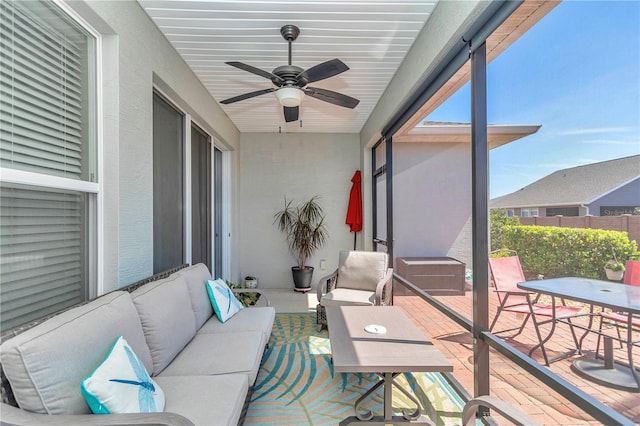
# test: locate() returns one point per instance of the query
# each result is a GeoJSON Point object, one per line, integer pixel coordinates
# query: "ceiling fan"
{"type": "Point", "coordinates": [291, 81]}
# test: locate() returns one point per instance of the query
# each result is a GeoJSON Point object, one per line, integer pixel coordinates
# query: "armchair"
{"type": "Point", "coordinates": [362, 278]}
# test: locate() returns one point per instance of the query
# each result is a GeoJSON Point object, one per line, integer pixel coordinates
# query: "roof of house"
{"type": "Point", "coordinates": [574, 186]}
{"type": "Point", "coordinates": [450, 132]}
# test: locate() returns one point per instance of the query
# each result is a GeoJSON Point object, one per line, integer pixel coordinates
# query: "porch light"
{"type": "Point", "coordinates": [290, 96]}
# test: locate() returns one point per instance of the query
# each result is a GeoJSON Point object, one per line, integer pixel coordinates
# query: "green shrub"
{"type": "Point", "coordinates": [498, 219]}
{"type": "Point", "coordinates": [560, 252]}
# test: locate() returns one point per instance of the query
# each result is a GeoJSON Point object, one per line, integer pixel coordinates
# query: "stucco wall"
{"type": "Point", "coordinates": [297, 166]}
{"type": "Point", "coordinates": [432, 200]}
{"type": "Point", "coordinates": [442, 33]}
{"type": "Point", "coordinates": [136, 54]}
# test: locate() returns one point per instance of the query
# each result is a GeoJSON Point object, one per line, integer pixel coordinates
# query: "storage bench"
{"type": "Point", "coordinates": [438, 276]}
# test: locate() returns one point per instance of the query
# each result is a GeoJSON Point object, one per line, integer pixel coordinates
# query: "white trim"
{"type": "Point", "coordinates": [213, 212]}
{"type": "Point", "coordinates": [100, 240]}
{"type": "Point", "coordinates": [188, 186]}
{"type": "Point", "coordinates": [96, 265]}
{"type": "Point", "coordinates": [226, 212]}
{"type": "Point", "coordinates": [47, 181]}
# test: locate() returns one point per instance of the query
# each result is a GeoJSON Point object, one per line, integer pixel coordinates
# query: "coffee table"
{"type": "Point", "coordinates": [401, 348]}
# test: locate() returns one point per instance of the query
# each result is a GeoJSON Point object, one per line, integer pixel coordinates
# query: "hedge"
{"type": "Point", "coordinates": [560, 252]}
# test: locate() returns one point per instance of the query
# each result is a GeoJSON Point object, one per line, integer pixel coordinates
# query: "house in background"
{"type": "Point", "coordinates": [423, 183]}
{"type": "Point", "coordinates": [608, 188]}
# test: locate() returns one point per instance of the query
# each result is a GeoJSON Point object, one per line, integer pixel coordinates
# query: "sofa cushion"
{"type": "Point", "coordinates": [361, 270]}
{"type": "Point", "coordinates": [167, 318]}
{"type": "Point", "coordinates": [259, 318]}
{"type": "Point", "coordinates": [347, 296]}
{"type": "Point", "coordinates": [46, 364]}
{"type": "Point", "coordinates": [206, 400]}
{"type": "Point", "coordinates": [121, 384]}
{"type": "Point", "coordinates": [195, 276]}
{"type": "Point", "coordinates": [220, 353]}
{"type": "Point", "coordinates": [225, 304]}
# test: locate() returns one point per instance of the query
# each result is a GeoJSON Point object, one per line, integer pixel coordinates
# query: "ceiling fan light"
{"type": "Point", "coordinates": [290, 96]}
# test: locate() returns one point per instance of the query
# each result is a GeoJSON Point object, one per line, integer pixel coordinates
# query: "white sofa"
{"type": "Point", "coordinates": [205, 368]}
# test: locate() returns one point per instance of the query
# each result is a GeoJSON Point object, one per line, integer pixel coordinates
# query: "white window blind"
{"type": "Point", "coordinates": [47, 128]}
{"type": "Point", "coordinates": [44, 246]}
{"type": "Point", "coordinates": [43, 90]}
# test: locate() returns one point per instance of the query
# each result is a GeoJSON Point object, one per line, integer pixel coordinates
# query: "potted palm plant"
{"type": "Point", "coordinates": [305, 232]}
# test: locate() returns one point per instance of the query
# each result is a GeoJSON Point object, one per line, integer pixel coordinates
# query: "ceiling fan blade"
{"type": "Point", "coordinates": [291, 114]}
{"type": "Point", "coordinates": [247, 96]}
{"type": "Point", "coordinates": [322, 71]}
{"type": "Point", "coordinates": [332, 97]}
{"type": "Point", "coordinates": [256, 71]}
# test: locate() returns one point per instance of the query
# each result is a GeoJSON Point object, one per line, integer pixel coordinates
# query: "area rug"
{"type": "Point", "coordinates": [296, 384]}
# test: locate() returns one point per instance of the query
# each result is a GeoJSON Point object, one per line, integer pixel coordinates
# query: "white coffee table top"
{"type": "Point", "coordinates": [401, 348]}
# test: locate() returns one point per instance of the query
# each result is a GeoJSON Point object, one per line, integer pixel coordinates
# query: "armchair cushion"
{"type": "Point", "coordinates": [361, 270]}
{"type": "Point", "coordinates": [348, 296]}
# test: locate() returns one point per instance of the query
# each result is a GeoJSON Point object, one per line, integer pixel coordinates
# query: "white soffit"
{"type": "Point", "coordinates": [372, 37]}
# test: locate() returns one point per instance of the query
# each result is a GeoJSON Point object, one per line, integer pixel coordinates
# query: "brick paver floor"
{"type": "Point", "coordinates": [510, 382]}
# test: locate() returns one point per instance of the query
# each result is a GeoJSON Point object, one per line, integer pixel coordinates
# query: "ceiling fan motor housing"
{"type": "Point", "coordinates": [289, 73]}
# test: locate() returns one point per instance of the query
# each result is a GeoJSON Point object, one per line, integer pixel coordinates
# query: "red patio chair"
{"type": "Point", "coordinates": [507, 273]}
{"type": "Point", "coordinates": [620, 319]}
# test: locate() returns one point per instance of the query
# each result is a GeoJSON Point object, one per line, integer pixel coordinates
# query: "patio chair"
{"type": "Point", "coordinates": [507, 273]}
{"type": "Point", "coordinates": [362, 278]}
{"type": "Point", "coordinates": [620, 319]}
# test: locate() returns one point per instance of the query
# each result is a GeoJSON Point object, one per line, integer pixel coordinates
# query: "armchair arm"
{"type": "Point", "coordinates": [252, 290]}
{"type": "Point", "coordinates": [500, 406]}
{"type": "Point", "coordinates": [383, 288]}
{"type": "Point", "coordinates": [11, 415]}
{"type": "Point", "coordinates": [322, 284]}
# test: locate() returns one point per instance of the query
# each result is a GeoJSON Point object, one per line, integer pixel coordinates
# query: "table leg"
{"type": "Point", "coordinates": [365, 417]}
{"type": "Point", "coordinates": [388, 396]}
{"type": "Point", "coordinates": [634, 372]}
{"type": "Point", "coordinates": [367, 414]}
{"type": "Point", "coordinates": [407, 413]}
{"type": "Point", "coordinates": [608, 352]}
{"type": "Point", "coordinates": [606, 372]}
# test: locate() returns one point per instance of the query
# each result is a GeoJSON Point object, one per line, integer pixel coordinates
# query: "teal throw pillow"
{"type": "Point", "coordinates": [224, 302]}
{"type": "Point", "coordinates": [121, 384]}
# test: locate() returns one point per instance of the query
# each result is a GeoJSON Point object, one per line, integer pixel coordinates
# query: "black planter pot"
{"type": "Point", "coordinates": [302, 278]}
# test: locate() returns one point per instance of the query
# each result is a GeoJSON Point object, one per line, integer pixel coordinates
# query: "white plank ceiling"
{"type": "Point", "coordinates": [372, 37]}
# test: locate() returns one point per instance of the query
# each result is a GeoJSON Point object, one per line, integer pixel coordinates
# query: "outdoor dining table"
{"type": "Point", "coordinates": [607, 294]}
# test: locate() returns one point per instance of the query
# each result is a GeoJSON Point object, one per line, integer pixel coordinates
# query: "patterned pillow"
{"type": "Point", "coordinates": [121, 384]}
{"type": "Point", "coordinates": [223, 300]}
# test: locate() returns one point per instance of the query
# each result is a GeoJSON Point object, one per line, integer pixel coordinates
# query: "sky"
{"type": "Point", "coordinates": [576, 73]}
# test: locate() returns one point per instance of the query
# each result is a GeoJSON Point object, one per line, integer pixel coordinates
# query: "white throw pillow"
{"type": "Point", "coordinates": [223, 300]}
{"type": "Point", "coordinates": [121, 384]}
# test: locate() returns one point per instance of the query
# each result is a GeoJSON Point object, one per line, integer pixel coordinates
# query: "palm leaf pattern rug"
{"type": "Point", "coordinates": [296, 384]}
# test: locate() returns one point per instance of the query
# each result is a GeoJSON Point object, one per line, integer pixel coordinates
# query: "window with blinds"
{"type": "Point", "coordinates": [44, 91]}
{"type": "Point", "coordinates": [44, 252]}
{"type": "Point", "coordinates": [47, 128]}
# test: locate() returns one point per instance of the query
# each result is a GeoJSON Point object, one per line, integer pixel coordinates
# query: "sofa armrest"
{"type": "Point", "coordinates": [252, 290]}
{"type": "Point", "coordinates": [10, 415]}
{"type": "Point", "coordinates": [383, 288]}
{"type": "Point", "coordinates": [322, 284]}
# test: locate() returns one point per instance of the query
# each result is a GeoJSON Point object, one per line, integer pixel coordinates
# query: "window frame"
{"type": "Point", "coordinates": [94, 189]}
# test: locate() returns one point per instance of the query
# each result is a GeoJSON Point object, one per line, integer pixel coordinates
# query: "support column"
{"type": "Point", "coordinates": [480, 217]}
